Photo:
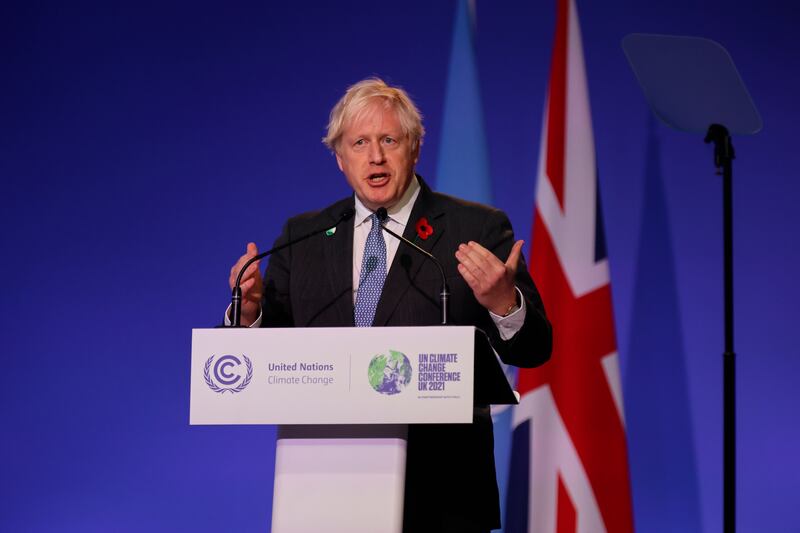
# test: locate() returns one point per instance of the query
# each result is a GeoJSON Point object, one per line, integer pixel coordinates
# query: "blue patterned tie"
{"type": "Point", "coordinates": [373, 274]}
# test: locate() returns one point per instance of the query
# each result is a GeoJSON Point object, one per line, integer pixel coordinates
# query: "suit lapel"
{"type": "Point", "coordinates": [407, 262]}
{"type": "Point", "coordinates": [338, 257]}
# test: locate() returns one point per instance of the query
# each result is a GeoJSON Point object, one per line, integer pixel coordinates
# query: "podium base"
{"type": "Point", "coordinates": [339, 478]}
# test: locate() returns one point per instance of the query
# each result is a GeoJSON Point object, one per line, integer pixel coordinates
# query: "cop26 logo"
{"type": "Point", "coordinates": [226, 374]}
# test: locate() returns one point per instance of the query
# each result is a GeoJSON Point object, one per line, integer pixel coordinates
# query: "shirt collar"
{"type": "Point", "coordinates": [399, 212]}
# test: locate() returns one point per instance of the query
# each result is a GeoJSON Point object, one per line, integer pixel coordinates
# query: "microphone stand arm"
{"type": "Point", "coordinates": [236, 294]}
{"type": "Point", "coordinates": [444, 295]}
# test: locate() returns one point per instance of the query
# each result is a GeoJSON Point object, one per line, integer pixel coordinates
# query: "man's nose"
{"type": "Point", "coordinates": [376, 155]}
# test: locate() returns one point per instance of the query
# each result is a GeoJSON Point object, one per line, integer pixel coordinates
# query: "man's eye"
{"type": "Point", "coordinates": [389, 140]}
{"type": "Point", "coordinates": [359, 142]}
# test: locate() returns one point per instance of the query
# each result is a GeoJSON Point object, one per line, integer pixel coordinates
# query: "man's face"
{"type": "Point", "coordinates": [376, 156]}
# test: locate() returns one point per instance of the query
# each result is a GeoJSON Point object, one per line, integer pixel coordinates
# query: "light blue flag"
{"type": "Point", "coordinates": [463, 167]}
{"type": "Point", "coordinates": [463, 171]}
{"type": "Point", "coordinates": [657, 408]}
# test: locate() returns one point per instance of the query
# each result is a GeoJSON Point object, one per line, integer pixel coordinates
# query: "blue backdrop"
{"type": "Point", "coordinates": [142, 144]}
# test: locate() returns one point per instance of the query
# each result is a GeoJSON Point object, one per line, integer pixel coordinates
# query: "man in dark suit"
{"type": "Point", "coordinates": [355, 277]}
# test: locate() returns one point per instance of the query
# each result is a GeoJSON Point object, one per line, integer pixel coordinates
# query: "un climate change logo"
{"type": "Point", "coordinates": [389, 374]}
{"type": "Point", "coordinates": [224, 377]}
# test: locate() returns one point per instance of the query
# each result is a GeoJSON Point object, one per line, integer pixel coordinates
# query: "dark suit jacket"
{"type": "Point", "coordinates": [311, 285]}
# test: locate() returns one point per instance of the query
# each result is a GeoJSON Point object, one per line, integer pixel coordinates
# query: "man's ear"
{"type": "Point", "coordinates": [338, 160]}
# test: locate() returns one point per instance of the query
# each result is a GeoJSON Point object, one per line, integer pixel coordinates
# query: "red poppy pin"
{"type": "Point", "coordinates": [424, 230]}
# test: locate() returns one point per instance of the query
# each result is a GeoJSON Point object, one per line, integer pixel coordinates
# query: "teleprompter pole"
{"type": "Point", "coordinates": [723, 160]}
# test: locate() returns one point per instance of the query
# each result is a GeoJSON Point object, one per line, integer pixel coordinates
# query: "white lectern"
{"type": "Point", "coordinates": [342, 398]}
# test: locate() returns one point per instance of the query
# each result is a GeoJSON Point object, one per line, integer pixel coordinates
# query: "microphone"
{"type": "Point", "coordinates": [236, 296]}
{"type": "Point", "coordinates": [444, 295]}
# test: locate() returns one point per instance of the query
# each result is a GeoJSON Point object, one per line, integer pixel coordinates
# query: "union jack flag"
{"type": "Point", "coordinates": [569, 466]}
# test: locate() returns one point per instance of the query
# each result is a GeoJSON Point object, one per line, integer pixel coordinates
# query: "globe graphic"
{"type": "Point", "coordinates": [389, 374]}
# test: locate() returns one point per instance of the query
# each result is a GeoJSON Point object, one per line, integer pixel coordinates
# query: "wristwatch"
{"type": "Point", "coordinates": [513, 307]}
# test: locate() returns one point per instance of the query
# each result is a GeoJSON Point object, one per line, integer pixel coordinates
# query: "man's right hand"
{"type": "Point", "coordinates": [252, 285]}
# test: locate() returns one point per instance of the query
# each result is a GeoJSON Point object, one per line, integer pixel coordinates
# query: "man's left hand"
{"type": "Point", "coordinates": [491, 280]}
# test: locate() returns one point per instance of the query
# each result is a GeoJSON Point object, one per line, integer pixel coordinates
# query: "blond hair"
{"type": "Point", "coordinates": [359, 96]}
